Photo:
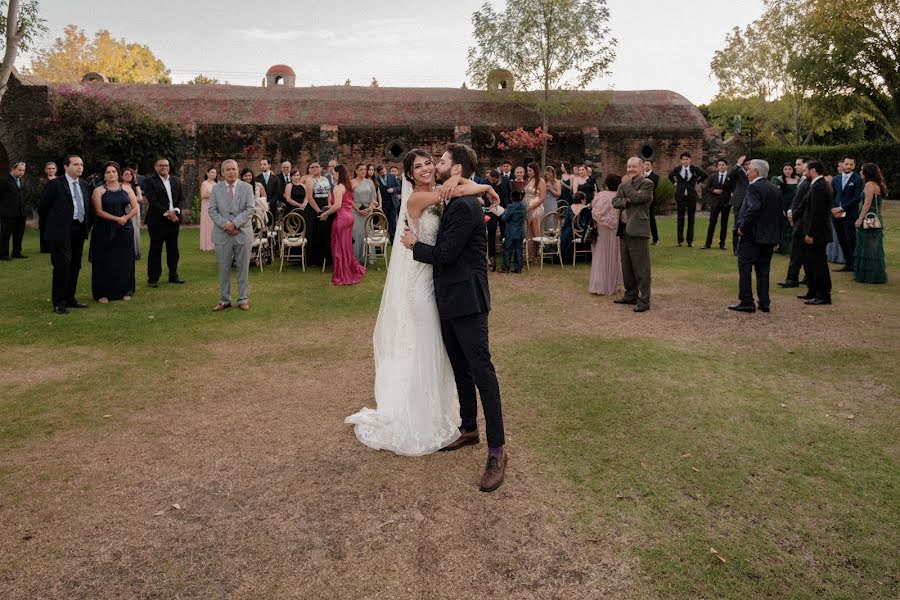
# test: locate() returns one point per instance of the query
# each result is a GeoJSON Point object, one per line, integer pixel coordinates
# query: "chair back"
{"type": "Point", "coordinates": [293, 225]}
{"type": "Point", "coordinates": [259, 228]}
{"type": "Point", "coordinates": [551, 225]}
{"type": "Point", "coordinates": [577, 229]}
{"type": "Point", "coordinates": [377, 225]}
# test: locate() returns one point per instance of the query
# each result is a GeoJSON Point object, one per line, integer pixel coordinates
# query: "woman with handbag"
{"type": "Point", "coordinates": [868, 261]}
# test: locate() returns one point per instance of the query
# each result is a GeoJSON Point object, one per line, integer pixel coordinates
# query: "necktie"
{"type": "Point", "coordinates": [231, 191]}
{"type": "Point", "coordinates": [685, 174]}
{"type": "Point", "coordinates": [79, 202]}
{"type": "Point", "coordinates": [19, 182]}
{"type": "Point", "coordinates": [721, 178]}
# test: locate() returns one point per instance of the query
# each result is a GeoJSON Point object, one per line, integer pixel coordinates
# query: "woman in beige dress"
{"type": "Point", "coordinates": [606, 262]}
{"type": "Point", "coordinates": [535, 191]}
{"type": "Point", "coordinates": [206, 222]}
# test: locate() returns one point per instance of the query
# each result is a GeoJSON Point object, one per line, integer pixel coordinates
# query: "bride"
{"type": "Point", "coordinates": [415, 392]}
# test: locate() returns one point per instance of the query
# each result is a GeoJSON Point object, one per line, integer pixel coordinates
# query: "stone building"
{"type": "Point", "coordinates": [379, 125]}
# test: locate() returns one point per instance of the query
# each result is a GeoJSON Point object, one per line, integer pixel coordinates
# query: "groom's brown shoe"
{"type": "Point", "coordinates": [494, 472]}
{"type": "Point", "coordinates": [465, 439]}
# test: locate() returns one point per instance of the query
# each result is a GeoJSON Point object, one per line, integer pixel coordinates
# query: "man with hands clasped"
{"type": "Point", "coordinates": [231, 207]}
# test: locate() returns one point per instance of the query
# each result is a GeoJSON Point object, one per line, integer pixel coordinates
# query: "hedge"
{"type": "Point", "coordinates": [885, 155]}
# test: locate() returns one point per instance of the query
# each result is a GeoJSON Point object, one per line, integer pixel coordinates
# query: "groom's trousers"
{"type": "Point", "coordinates": [466, 339]}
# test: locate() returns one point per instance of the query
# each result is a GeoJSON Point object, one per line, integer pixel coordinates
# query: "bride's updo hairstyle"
{"type": "Point", "coordinates": [408, 161]}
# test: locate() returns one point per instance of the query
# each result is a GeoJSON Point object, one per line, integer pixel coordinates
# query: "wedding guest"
{"type": "Point", "coordinates": [330, 174]}
{"type": "Point", "coordinates": [129, 183]}
{"type": "Point", "coordinates": [554, 190]}
{"type": "Point", "coordinates": [758, 226]}
{"type": "Point", "coordinates": [50, 171]}
{"type": "Point", "coordinates": [261, 202]}
{"type": "Point", "coordinates": [298, 194]}
{"type": "Point", "coordinates": [206, 223]}
{"type": "Point", "coordinates": [848, 195]}
{"type": "Point", "coordinates": [572, 215]}
{"type": "Point", "coordinates": [739, 183]}
{"type": "Point", "coordinates": [579, 179]}
{"type": "Point", "coordinates": [364, 202]}
{"type": "Point", "coordinates": [565, 183]}
{"type": "Point", "coordinates": [319, 231]}
{"type": "Point", "coordinates": [231, 208]}
{"type": "Point", "coordinates": [112, 238]}
{"type": "Point", "coordinates": [387, 185]}
{"type": "Point", "coordinates": [534, 193]}
{"type": "Point", "coordinates": [795, 218]}
{"type": "Point", "coordinates": [632, 199]}
{"type": "Point", "coordinates": [606, 259]}
{"type": "Point", "coordinates": [271, 183]}
{"type": "Point", "coordinates": [501, 186]}
{"type": "Point", "coordinates": [816, 234]}
{"type": "Point", "coordinates": [518, 181]}
{"type": "Point", "coordinates": [164, 201]}
{"type": "Point", "coordinates": [868, 259]}
{"type": "Point", "coordinates": [514, 218]}
{"type": "Point", "coordinates": [12, 211]}
{"type": "Point", "coordinates": [138, 178]}
{"type": "Point", "coordinates": [651, 212]}
{"type": "Point", "coordinates": [686, 178]}
{"type": "Point", "coordinates": [67, 217]}
{"type": "Point", "coordinates": [395, 195]}
{"type": "Point", "coordinates": [787, 183]}
{"type": "Point", "coordinates": [506, 170]}
{"type": "Point", "coordinates": [285, 177]}
{"type": "Point", "coordinates": [347, 270]}
{"type": "Point", "coordinates": [718, 186]}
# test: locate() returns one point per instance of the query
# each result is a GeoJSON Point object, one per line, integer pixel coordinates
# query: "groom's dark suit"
{"type": "Point", "coordinates": [463, 301]}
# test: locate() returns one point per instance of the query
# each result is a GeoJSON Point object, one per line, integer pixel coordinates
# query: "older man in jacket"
{"type": "Point", "coordinates": [231, 208]}
{"type": "Point", "coordinates": [633, 200]}
{"type": "Point", "coordinates": [758, 227]}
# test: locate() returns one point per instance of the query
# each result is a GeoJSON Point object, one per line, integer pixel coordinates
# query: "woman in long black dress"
{"type": "Point", "coordinates": [112, 238]}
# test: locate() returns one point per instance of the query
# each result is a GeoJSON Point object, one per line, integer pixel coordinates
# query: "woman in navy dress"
{"type": "Point", "coordinates": [112, 238]}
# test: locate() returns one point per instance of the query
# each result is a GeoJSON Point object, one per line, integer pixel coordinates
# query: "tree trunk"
{"type": "Point", "coordinates": [13, 37]}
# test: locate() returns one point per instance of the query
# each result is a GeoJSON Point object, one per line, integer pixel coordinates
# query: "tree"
{"type": "Point", "coordinates": [347, 83]}
{"type": "Point", "coordinates": [20, 23]}
{"type": "Point", "coordinates": [552, 46]}
{"type": "Point", "coordinates": [202, 79]}
{"type": "Point", "coordinates": [851, 48]}
{"type": "Point", "coordinates": [373, 83]}
{"type": "Point", "coordinates": [72, 55]}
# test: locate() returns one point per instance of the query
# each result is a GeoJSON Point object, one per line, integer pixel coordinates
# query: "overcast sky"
{"type": "Point", "coordinates": [401, 43]}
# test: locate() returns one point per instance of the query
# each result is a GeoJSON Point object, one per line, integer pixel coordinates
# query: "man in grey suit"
{"type": "Point", "coordinates": [231, 208]}
{"type": "Point", "coordinates": [633, 200]}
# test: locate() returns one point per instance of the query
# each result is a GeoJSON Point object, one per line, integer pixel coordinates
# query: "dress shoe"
{"type": "Point", "coordinates": [788, 283]}
{"type": "Point", "coordinates": [721, 246]}
{"type": "Point", "coordinates": [75, 304]}
{"type": "Point", "coordinates": [844, 269]}
{"type": "Point", "coordinates": [153, 284]}
{"type": "Point", "coordinates": [504, 270]}
{"type": "Point", "coordinates": [641, 308]}
{"type": "Point", "coordinates": [763, 308]}
{"type": "Point", "coordinates": [494, 472]}
{"type": "Point", "coordinates": [624, 301]}
{"type": "Point", "coordinates": [817, 302]}
{"type": "Point", "coordinates": [679, 244]}
{"type": "Point", "coordinates": [220, 307]}
{"type": "Point", "coordinates": [23, 256]}
{"type": "Point", "coordinates": [655, 242]}
{"type": "Point", "coordinates": [466, 438]}
{"type": "Point", "coordinates": [806, 296]}
{"type": "Point", "coordinates": [244, 306]}
{"type": "Point", "coordinates": [705, 247]}
{"type": "Point", "coordinates": [61, 310]}
{"type": "Point", "coordinates": [176, 280]}
{"type": "Point", "coordinates": [745, 308]}
{"type": "Point", "coordinates": [690, 244]}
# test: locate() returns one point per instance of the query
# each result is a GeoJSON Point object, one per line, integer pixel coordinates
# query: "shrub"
{"type": "Point", "coordinates": [885, 155]}
{"type": "Point", "coordinates": [664, 194]}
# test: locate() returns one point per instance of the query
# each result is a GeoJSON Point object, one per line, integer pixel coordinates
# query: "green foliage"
{"type": "Point", "coordinates": [885, 155]}
{"type": "Point", "coordinates": [665, 191]}
{"type": "Point", "coordinates": [100, 129]}
{"type": "Point", "coordinates": [30, 24]}
{"type": "Point", "coordinates": [195, 208]}
{"type": "Point", "coordinates": [202, 79]}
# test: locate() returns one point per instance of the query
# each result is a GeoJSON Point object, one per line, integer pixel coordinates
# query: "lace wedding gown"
{"type": "Point", "coordinates": [415, 392]}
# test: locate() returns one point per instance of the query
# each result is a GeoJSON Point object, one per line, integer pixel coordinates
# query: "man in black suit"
{"type": "Point", "coordinates": [848, 195]}
{"type": "Point", "coordinates": [463, 302]}
{"type": "Point", "coordinates": [739, 185]}
{"type": "Point", "coordinates": [816, 235]}
{"type": "Point", "coordinates": [273, 186]}
{"type": "Point", "coordinates": [719, 188]}
{"type": "Point", "coordinates": [387, 185]}
{"type": "Point", "coordinates": [165, 198]}
{"type": "Point", "coordinates": [758, 227]}
{"type": "Point", "coordinates": [651, 211]}
{"type": "Point", "coordinates": [795, 218]}
{"type": "Point", "coordinates": [65, 211]}
{"type": "Point", "coordinates": [501, 186]}
{"type": "Point", "coordinates": [686, 177]}
{"type": "Point", "coordinates": [12, 211]}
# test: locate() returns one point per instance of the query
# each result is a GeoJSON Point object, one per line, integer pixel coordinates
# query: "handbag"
{"type": "Point", "coordinates": [872, 219]}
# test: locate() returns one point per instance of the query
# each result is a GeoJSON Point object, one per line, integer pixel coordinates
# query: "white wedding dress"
{"type": "Point", "coordinates": [417, 408]}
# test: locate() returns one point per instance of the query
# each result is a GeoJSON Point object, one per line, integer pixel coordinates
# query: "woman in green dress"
{"type": "Point", "coordinates": [868, 259]}
{"type": "Point", "coordinates": [787, 183]}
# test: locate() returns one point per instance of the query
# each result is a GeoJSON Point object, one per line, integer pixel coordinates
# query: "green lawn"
{"type": "Point", "coordinates": [676, 449]}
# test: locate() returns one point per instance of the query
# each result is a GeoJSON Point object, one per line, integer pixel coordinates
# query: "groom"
{"type": "Point", "coordinates": [463, 302]}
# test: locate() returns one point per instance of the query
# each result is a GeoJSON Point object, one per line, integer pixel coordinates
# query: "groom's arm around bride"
{"type": "Point", "coordinates": [463, 301]}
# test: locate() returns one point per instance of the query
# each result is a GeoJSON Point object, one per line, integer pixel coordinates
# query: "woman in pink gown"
{"type": "Point", "coordinates": [206, 222]}
{"type": "Point", "coordinates": [347, 271]}
{"type": "Point", "coordinates": [606, 261]}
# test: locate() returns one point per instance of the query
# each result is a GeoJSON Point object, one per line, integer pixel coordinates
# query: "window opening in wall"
{"type": "Point", "coordinates": [647, 151]}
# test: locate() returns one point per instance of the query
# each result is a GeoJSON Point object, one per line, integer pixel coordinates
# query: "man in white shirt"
{"type": "Point", "coordinates": [164, 201]}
